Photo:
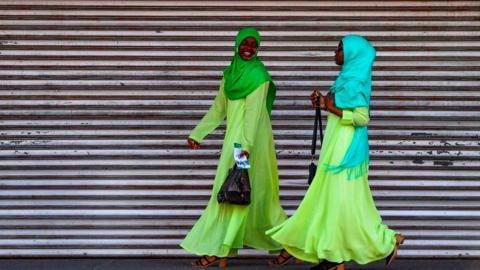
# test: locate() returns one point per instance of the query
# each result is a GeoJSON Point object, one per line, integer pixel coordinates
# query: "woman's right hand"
{"type": "Point", "coordinates": [317, 99]}
{"type": "Point", "coordinates": [193, 144]}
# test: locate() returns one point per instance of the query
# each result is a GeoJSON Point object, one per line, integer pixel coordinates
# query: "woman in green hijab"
{"type": "Point", "coordinates": [337, 221]}
{"type": "Point", "coordinates": [245, 98]}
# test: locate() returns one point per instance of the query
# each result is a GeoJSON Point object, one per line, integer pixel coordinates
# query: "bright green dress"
{"type": "Point", "coordinates": [337, 219]}
{"type": "Point", "coordinates": [224, 228]}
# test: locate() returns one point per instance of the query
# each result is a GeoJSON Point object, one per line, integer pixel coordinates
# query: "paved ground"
{"type": "Point", "coordinates": [182, 264]}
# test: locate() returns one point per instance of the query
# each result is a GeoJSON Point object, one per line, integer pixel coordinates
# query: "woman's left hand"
{"type": "Point", "coordinates": [244, 153]}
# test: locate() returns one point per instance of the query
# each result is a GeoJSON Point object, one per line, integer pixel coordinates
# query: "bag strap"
{"type": "Point", "coordinates": [317, 125]}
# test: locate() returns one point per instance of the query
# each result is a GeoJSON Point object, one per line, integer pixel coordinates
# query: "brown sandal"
{"type": "Point", "coordinates": [399, 240]}
{"type": "Point", "coordinates": [206, 261]}
{"type": "Point", "coordinates": [282, 259]}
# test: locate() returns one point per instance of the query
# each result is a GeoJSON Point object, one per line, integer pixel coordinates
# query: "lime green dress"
{"type": "Point", "coordinates": [224, 228]}
{"type": "Point", "coordinates": [337, 219]}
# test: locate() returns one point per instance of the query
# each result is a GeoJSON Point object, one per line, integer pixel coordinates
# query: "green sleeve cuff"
{"type": "Point", "coordinates": [196, 138]}
{"type": "Point", "coordinates": [347, 118]}
{"type": "Point", "coordinates": [361, 116]}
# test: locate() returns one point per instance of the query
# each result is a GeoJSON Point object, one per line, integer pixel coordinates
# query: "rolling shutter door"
{"type": "Point", "coordinates": [97, 98]}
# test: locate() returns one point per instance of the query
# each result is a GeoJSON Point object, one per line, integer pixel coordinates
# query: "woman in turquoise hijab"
{"type": "Point", "coordinates": [245, 99]}
{"type": "Point", "coordinates": [337, 221]}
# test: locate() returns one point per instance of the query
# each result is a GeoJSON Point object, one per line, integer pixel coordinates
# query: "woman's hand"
{"type": "Point", "coordinates": [193, 144]}
{"type": "Point", "coordinates": [329, 102]}
{"type": "Point", "coordinates": [244, 153]}
{"type": "Point", "coordinates": [317, 99]}
{"type": "Point", "coordinates": [330, 105]}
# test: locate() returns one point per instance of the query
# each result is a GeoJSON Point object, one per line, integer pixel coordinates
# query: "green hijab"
{"type": "Point", "coordinates": [352, 88]}
{"type": "Point", "coordinates": [242, 77]}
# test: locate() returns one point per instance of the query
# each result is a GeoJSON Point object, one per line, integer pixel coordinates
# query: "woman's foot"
{"type": "Point", "coordinates": [206, 261]}
{"type": "Point", "coordinates": [283, 258]}
{"type": "Point", "coordinates": [328, 265]}
{"type": "Point", "coordinates": [399, 240]}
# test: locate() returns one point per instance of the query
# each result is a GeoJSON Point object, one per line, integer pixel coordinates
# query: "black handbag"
{"type": "Point", "coordinates": [312, 169]}
{"type": "Point", "coordinates": [236, 188]}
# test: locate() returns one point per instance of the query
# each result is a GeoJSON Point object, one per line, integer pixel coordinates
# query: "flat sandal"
{"type": "Point", "coordinates": [285, 258]}
{"type": "Point", "coordinates": [204, 261]}
{"type": "Point", "coordinates": [399, 240]}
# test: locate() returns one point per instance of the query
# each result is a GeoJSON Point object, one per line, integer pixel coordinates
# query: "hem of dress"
{"type": "Point", "coordinates": [269, 250]}
{"type": "Point", "coordinates": [232, 252]}
{"type": "Point", "coordinates": [290, 247]}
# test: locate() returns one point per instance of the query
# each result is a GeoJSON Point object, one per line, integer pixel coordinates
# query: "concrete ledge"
{"type": "Point", "coordinates": [182, 264]}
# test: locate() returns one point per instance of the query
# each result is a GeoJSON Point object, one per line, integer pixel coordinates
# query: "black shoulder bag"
{"type": "Point", "coordinates": [312, 169]}
{"type": "Point", "coordinates": [236, 188]}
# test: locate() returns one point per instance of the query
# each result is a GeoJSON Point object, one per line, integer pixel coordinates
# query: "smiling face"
{"type": "Point", "coordinates": [339, 54]}
{"type": "Point", "coordinates": [248, 48]}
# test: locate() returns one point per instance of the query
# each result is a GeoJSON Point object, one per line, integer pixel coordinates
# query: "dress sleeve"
{"type": "Point", "coordinates": [254, 104]}
{"type": "Point", "coordinates": [214, 117]}
{"type": "Point", "coordinates": [358, 116]}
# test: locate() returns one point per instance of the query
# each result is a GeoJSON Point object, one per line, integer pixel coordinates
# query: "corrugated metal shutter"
{"type": "Point", "coordinates": [97, 98]}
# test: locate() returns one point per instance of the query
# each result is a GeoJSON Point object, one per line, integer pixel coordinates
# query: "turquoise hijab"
{"type": "Point", "coordinates": [242, 77]}
{"type": "Point", "coordinates": [352, 88]}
